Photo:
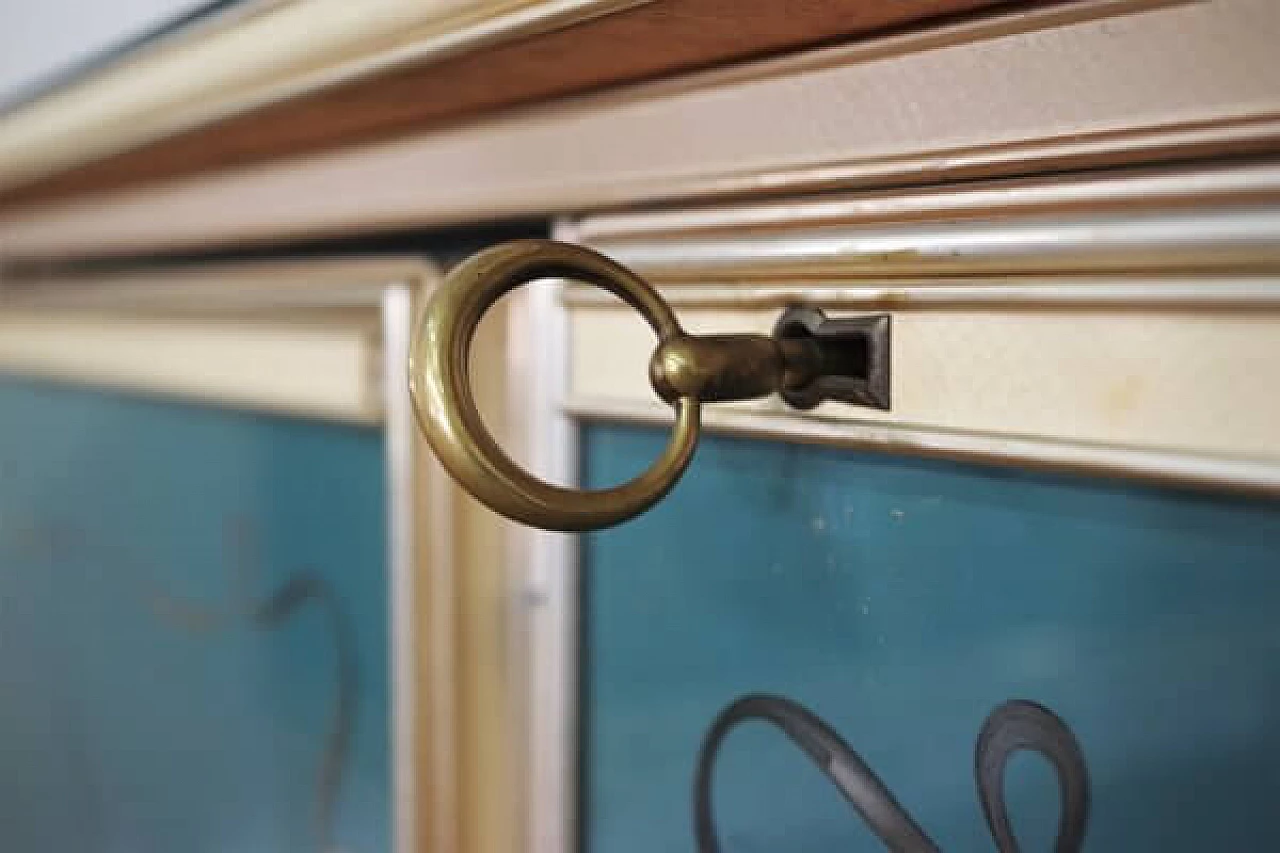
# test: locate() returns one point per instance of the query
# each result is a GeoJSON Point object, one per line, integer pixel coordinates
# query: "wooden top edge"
{"type": "Point", "coordinates": [284, 51]}
{"type": "Point", "coordinates": [546, 52]}
{"type": "Point", "coordinates": [757, 130]}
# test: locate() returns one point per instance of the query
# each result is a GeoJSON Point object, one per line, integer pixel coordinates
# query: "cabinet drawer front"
{"type": "Point", "coordinates": [1139, 338]}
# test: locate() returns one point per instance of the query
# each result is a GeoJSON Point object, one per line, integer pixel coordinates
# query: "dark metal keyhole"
{"type": "Point", "coordinates": [854, 354]}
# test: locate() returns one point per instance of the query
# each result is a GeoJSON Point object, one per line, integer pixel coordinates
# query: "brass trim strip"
{"type": "Point", "coordinates": [1232, 238]}
{"type": "Point", "coordinates": [1130, 190]}
{"type": "Point", "coordinates": [1185, 293]}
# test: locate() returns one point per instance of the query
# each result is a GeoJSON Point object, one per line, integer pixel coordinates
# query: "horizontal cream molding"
{"type": "Point", "coordinates": [1171, 224]}
{"type": "Point", "coordinates": [285, 49]}
{"type": "Point", "coordinates": [330, 372]}
{"type": "Point", "coordinates": [301, 338]}
{"type": "Point", "coordinates": [1162, 382]}
{"type": "Point", "coordinates": [1075, 85]}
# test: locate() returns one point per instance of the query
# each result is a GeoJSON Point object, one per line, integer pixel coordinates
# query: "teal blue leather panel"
{"type": "Point", "coordinates": [193, 633]}
{"type": "Point", "coordinates": [902, 600]}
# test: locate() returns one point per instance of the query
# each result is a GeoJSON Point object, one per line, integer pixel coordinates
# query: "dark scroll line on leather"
{"type": "Point", "coordinates": [274, 611]}
{"type": "Point", "coordinates": [60, 542]}
{"type": "Point", "coordinates": [295, 593]}
{"type": "Point", "coordinates": [1012, 727]}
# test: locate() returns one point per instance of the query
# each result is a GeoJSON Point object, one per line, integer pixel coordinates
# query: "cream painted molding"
{"type": "Point", "coordinates": [285, 50]}
{"type": "Point", "coordinates": [205, 333]}
{"type": "Point", "coordinates": [1179, 222]}
{"type": "Point", "coordinates": [1248, 476]}
{"type": "Point", "coordinates": [1198, 381]}
{"type": "Point", "coordinates": [1085, 84]}
{"type": "Point", "coordinates": [327, 373]}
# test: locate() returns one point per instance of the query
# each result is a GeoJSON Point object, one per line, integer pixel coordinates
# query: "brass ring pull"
{"type": "Point", "coordinates": [447, 412]}
{"type": "Point", "coordinates": [808, 359]}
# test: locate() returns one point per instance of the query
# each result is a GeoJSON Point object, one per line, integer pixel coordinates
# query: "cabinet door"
{"type": "Point", "coordinates": [1070, 499]}
{"type": "Point", "coordinates": [902, 600]}
{"type": "Point", "coordinates": [207, 619]}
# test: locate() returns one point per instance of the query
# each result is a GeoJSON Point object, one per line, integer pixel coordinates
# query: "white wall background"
{"type": "Point", "coordinates": [39, 38]}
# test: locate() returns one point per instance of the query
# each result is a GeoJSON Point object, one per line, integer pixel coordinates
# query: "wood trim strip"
{"type": "Point", "coordinates": [881, 113]}
{"type": "Point", "coordinates": [253, 122]}
{"type": "Point", "coordinates": [287, 50]}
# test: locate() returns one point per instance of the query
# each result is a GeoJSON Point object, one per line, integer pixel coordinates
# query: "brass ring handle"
{"type": "Point", "coordinates": [446, 410]}
{"type": "Point", "coordinates": [808, 359]}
